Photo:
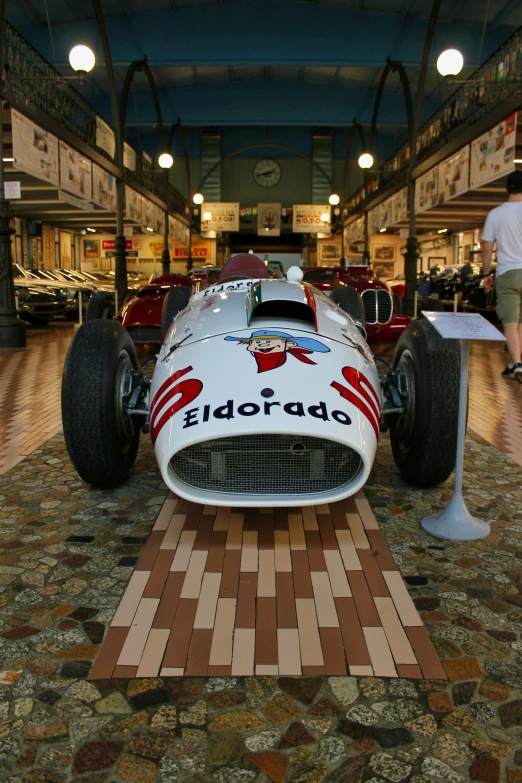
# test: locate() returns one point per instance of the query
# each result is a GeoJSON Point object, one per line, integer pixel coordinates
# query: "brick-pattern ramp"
{"type": "Point", "coordinates": [288, 591]}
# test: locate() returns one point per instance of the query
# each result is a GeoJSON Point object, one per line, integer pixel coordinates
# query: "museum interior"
{"type": "Point", "coordinates": [261, 391]}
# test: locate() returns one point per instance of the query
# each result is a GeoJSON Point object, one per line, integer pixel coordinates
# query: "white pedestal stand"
{"type": "Point", "coordinates": [455, 523]}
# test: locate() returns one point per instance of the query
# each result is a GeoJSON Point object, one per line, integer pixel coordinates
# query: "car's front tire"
{"type": "Point", "coordinates": [424, 437]}
{"type": "Point", "coordinates": [102, 440]}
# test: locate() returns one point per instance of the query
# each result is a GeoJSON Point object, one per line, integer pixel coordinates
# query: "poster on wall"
{"type": "Point", "coordinates": [129, 157]}
{"type": "Point", "coordinates": [454, 175]}
{"type": "Point", "coordinates": [269, 219]}
{"type": "Point", "coordinates": [132, 205]}
{"type": "Point", "coordinates": [224, 216]}
{"type": "Point", "coordinates": [35, 151]}
{"type": "Point", "coordinates": [374, 224]}
{"type": "Point", "coordinates": [103, 188]}
{"type": "Point", "coordinates": [307, 218]}
{"type": "Point", "coordinates": [384, 252]}
{"type": "Point", "coordinates": [201, 249]}
{"type": "Point", "coordinates": [427, 191]}
{"type": "Point", "coordinates": [91, 249]}
{"type": "Point", "coordinates": [75, 172]}
{"type": "Point", "coordinates": [493, 154]}
{"type": "Point", "coordinates": [147, 213]}
{"type": "Point", "coordinates": [105, 138]}
{"type": "Point", "coordinates": [384, 270]}
{"type": "Point", "coordinates": [400, 206]}
{"type": "Point", "coordinates": [329, 253]}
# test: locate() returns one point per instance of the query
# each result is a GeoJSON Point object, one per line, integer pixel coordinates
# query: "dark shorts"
{"type": "Point", "coordinates": [509, 296]}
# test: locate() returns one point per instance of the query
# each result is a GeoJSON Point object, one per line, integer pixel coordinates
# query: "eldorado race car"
{"type": "Point", "coordinates": [264, 393]}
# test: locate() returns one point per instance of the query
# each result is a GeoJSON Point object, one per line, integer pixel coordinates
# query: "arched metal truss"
{"type": "Point", "coordinates": [360, 130]}
{"type": "Point", "coordinates": [392, 66]}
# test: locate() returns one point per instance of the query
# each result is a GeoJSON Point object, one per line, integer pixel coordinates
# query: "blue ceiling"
{"type": "Point", "coordinates": [272, 67]}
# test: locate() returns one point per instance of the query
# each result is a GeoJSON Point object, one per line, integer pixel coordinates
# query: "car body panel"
{"type": "Point", "coordinates": [230, 369]}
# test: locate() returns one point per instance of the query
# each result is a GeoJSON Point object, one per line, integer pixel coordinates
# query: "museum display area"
{"type": "Point", "coordinates": [260, 461]}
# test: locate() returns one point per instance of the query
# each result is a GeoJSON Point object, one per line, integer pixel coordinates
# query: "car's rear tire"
{"type": "Point", "coordinates": [424, 438]}
{"type": "Point", "coordinates": [102, 440]}
{"type": "Point", "coordinates": [175, 301]}
{"type": "Point", "coordinates": [98, 307]}
{"type": "Point", "coordinates": [350, 300]}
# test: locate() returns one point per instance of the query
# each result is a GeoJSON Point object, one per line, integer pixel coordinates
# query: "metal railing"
{"type": "Point", "coordinates": [30, 79]}
{"type": "Point", "coordinates": [495, 82]}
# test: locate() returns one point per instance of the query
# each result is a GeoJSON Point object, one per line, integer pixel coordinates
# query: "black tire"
{"type": "Point", "coordinates": [34, 320]}
{"type": "Point", "coordinates": [175, 301]}
{"type": "Point", "coordinates": [98, 307]}
{"type": "Point", "coordinates": [397, 304]}
{"type": "Point", "coordinates": [350, 300]}
{"type": "Point", "coordinates": [424, 438]}
{"type": "Point", "coordinates": [101, 439]}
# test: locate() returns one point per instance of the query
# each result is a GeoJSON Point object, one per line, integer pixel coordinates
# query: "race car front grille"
{"type": "Point", "coordinates": [378, 306]}
{"type": "Point", "coordinates": [267, 464]}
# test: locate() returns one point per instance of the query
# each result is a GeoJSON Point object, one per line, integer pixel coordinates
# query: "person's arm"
{"type": "Point", "coordinates": [487, 251]}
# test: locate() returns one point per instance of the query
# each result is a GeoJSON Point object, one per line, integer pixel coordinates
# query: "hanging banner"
{"type": "Point", "coordinates": [386, 213]}
{"type": "Point", "coordinates": [75, 172]}
{"type": "Point", "coordinates": [147, 213]}
{"type": "Point", "coordinates": [269, 219]}
{"type": "Point", "coordinates": [35, 151]}
{"type": "Point", "coordinates": [454, 175]}
{"type": "Point", "coordinates": [103, 188]}
{"type": "Point", "coordinates": [493, 154]}
{"type": "Point", "coordinates": [132, 205]}
{"type": "Point", "coordinates": [224, 216]}
{"type": "Point", "coordinates": [178, 231]}
{"type": "Point", "coordinates": [373, 221]}
{"type": "Point", "coordinates": [159, 220]}
{"type": "Point", "coordinates": [400, 206]}
{"type": "Point", "coordinates": [129, 157]}
{"type": "Point", "coordinates": [307, 218]}
{"type": "Point", "coordinates": [201, 249]}
{"type": "Point", "coordinates": [427, 191]}
{"type": "Point", "coordinates": [76, 202]}
{"type": "Point", "coordinates": [105, 138]}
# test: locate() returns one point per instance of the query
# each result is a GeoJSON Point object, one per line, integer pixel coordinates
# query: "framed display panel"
{"type": "Point", "coordinates": [91, 248]}
{"type": "Point", "coordinates": [384, 252]}
{"type": "Point", "coordinates": [384, 270]}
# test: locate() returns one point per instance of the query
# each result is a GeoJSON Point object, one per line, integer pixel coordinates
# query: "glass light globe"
{"type": "Point", "coordinates": [450, 62]}
{"type": "Point", "coordinates": [82, 58]}
{"type": "Point", "coordinates": [334, 199]}
{"type": "Point", "coordinates": [207, 215]}
{"type": "Point", "coordinates": [365, 160]}
{"type": "Point", "coordinates": [325, 217]}
{"type": "Point", "coordinates": [198, 198]}
{"type": "Point", "coordinates": [165, 160]}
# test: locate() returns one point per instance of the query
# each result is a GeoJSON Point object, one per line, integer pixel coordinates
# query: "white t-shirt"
{"type": "Point", "coordinates": [504, 226]}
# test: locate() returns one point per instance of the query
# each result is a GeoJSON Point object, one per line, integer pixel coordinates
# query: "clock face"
{"type": "Point", "coordinates": [267, 173]}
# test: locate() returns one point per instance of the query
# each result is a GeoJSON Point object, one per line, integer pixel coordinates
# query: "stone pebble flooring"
{"type": "Point", "coordinates": [67, 555]}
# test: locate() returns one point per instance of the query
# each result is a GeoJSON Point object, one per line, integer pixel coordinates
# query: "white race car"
{"type": "Point", "coordinates": [264, 393]}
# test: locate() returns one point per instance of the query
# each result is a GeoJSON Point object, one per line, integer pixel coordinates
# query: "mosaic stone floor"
{"type": "Point", "coordinates": [67, 554]}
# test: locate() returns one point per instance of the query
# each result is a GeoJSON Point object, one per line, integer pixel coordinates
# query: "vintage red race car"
{"type": "Point", "coordinates": [142, 316]}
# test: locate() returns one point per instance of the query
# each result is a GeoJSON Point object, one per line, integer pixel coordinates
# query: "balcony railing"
{"type": "Point", "coordinates": [30, 78]}
{"type": "Point", "coordinates": [494, 83]}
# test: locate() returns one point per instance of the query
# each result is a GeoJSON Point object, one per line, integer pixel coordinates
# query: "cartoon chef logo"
{"type": "Point", "coordinates": [270, 347]}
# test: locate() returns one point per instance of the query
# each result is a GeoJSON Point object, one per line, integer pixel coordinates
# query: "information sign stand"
{"type": "Point", "coordinates": [455, 522]}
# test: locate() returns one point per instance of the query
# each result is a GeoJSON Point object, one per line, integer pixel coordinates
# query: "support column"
{"type": "Point", "coordinates": [411, 256]}
{"type": "Point", "coordinates": [120, 256]}
{"type": "Point", "coordinates": [12, 328]}
{"type": "Point", "coordinates": [165, 254]}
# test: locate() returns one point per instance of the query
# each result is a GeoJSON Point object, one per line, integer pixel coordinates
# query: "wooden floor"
{"type": "Point", "coordinates": [252, 591]}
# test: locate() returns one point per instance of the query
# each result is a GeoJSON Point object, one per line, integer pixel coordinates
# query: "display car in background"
{"type": "Point", "coordinates": [142, 314]}
{"type": "Point", "coordinates": [264, 393]}
{"type": "Point", "coordinates": [322, 277]}
{"type": "Point", "coordinates": [59, 281]}
{"type": "Point", "coordinates": [381, 307]}
{"type": "Point", "coordinates": [39, 306]}
{"type": "Point", "coordinates": [204, 275]}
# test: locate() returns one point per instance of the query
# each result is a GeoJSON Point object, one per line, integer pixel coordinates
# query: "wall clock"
{"type": "Point", "coordinates": [267, 173]}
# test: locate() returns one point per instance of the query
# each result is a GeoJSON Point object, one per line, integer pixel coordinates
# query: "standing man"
{"type": "Point", "coordinates": [503, 226]}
